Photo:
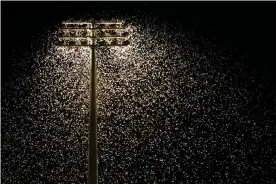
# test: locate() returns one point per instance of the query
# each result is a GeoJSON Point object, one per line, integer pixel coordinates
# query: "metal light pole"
{"type": "Point", "coordinates": [93, 34]}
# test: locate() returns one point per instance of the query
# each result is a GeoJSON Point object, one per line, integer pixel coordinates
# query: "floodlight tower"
{"type": "Point", "coordinates": [93, 34]}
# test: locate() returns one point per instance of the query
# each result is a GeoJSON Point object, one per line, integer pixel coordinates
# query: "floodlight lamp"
{"type": "Point", "coordinates": [83, 25]}
{"type": "Point", "coordinates": [123, 26]}
{"type": "Point", "coordinates": [113, 33]}
{"type": "Point", "coordinates": [101, 26]}
{"type": "Point", "coordinates": [72, 33]}
{"type": "Point", "coordinates": [83, 43]}
{"type": "Point", "coordinates": [70, 26]}
{"type": "Point", "coordinates": [113, 25]}
{"type": "Point", "coordinates": [125, 34]}
{"type": "Point", "coordinates": [101, 33]}
{"type": "Point", "coordinates": [114, 42]}
{"type": "Point", "coordinates": [82, 33]}
{"type": "Point", "coordinates": [102, 43]}
{"type": "Point", "coordinates": [71, 43]}
{"type": "Point", "coordinates": [61, 33]}
{"type": "Point", "coordinates": [61, 42]}
{"type": "Point", "coordinates": [125, 43]}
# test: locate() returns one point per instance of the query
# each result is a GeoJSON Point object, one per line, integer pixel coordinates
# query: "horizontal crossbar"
{"type": "Point", "coordinates": [91, 45]}
{"type": "Point", "coordinates": [98, 37]}
{"type": "Point", "coordinates": [121, 28]}
{"type": "Point", "coordinates": [93, 23]}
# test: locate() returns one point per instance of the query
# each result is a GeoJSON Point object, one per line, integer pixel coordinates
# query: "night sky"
{"type": "Point", "coordinates": [192, 99]}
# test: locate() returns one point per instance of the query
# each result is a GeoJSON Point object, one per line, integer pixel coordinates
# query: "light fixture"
{"type": "Point", "coordinates": [113, 26]}
{"type": "Point", "coordinates": [114, 42]}
{"type": "Point", "coordinates": [102, 43]}
{"type": "Point", "coordinates": [125, 43]}
{"type": "Point", "coordinates": [125, 34]}
{"type": "Point", "coordinates": [92, 41]}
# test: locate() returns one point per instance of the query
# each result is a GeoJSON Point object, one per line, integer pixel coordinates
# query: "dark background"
{"type": "Point", "coordinates": [248, 25]}
{"type": "Point", "coordinates": [245, 26]}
